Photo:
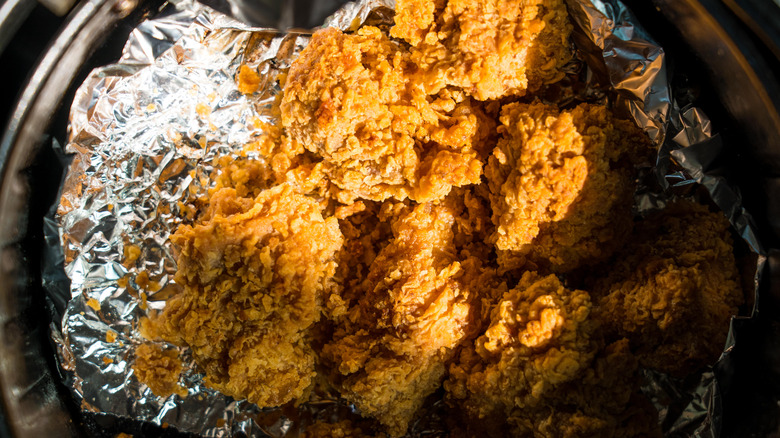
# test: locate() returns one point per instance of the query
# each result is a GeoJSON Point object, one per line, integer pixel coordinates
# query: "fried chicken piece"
{"type": "Point", "coordinates": [249, 177]}
{"type": "Point", "coordinates": [673, 289]}
{"type": "Point", "coordinates": [341, 429]}
{"type": "Point", "coordinates": [254, 275]}
{"type": "Point", "coordinates": [473, 225]}
{"type": "Point", "coordinates": [535, 370]}
{"type": "Point", "coordinates": [603, 402]}
{"type": "Point", "coordinates": [159, 369]}
{"type": "Point", "coordinates": [417, 303]}
{"type": "Point", "coordinates": [540, 336]}
{"type": "Point", "coordinates": [490, 49]}
{"type": "Point", "coordinates": [561, 184]}
{"type": "Point", "coordinates": [349, 99]}
{"type": "Point", "coordinates": [247, 80]}
{"type": "Point", "coordinates": [366, 233]}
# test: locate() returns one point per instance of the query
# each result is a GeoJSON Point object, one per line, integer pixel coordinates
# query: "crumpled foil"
{"type": "Point", "coordinates": [146, 131]}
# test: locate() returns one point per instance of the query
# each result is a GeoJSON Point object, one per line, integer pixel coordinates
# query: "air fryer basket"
{"type": "Point", "coordinates": [724, 62]}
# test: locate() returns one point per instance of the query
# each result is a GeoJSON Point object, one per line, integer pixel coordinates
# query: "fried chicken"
{"type": "Point", "coordinates": [490, 49]}
{"type": "Point", "coordinates": [341, 429]}
{"type": "Point", "coordinates": [673, 289]}
{"type": "Point", "coordinates": [539, 337]}
{"type": "Point", "coordinates": [537, 370]}
{"type": "Point", "coordinates": [349, 99]}
{"type": "Point", "coordinates": [254, 275]}
{"type": "Point", "coordinates": [560, 184]}
{"type": "Point", "coordinates": [604, 401]}
{"type": "Point", "coordinates": [358, 240]}
{"type": "Point", "coordinates": [417, 303]}
{"type": "Point", "coordinates": [159, 369]}
{"type": "Point", "coordinates": [366, 232]}
{"type": "Point", "coordinates": [473, 225]}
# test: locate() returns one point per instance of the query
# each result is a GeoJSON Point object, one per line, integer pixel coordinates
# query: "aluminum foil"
{"type": "Point", "coordinates": [146, 131]}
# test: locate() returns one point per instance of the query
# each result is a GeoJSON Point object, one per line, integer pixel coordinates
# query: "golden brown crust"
{"type": "Point", "coordinates": [159, 369]}
{"type": "Point", "coordinates": [348, 98]}
{"type": "Point", "coordinates": [540, 336]}
{"type": "Point", "coordinates": [539, 370]}
{"type": "Point", "coordinates": [559, 190]}
{"type": "Point", "coordinates": [490, 49]}
{"type": "Point", "coordinates": [254, 276]}
{"type": "Point", "coordinates": [417, 302]}
{"type": "Point", "coordinates": [603, 402]}
{"type": "Point", "coordinates": [673, 289]}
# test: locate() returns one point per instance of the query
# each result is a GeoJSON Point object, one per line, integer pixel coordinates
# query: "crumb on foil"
{"type": "Point", "coordinates": [159, 369]}
{"type": "Point", "coordinates": [248, 80]}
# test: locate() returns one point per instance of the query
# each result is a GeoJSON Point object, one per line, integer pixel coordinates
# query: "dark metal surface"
{"type": "Point", "coordinates": [33, 402]}
{"type": "Point", "coordinates": [30, 398]}
{"type": "Point", "coordinates": [743, 80]}
{"type": "Point", "coordinates": [12, 14]}
{"type": "Point", "coordinates": [26, 42]}
{"type": "Point", "coordinates": [282, 14]}
{"type": "Point", "coordinates": [763, 19]}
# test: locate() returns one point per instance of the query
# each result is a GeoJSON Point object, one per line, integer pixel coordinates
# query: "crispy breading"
{"type": "Point", "coordinates": [560, 188]}
{"type": "Point", "coordinates": [540, 336]}
{"type": "Point", "coordinates": [538, 371]}
{"type": "Point", "coordinates": [366, 233]}
{"type": "Point", "coordinates": [673, 289]}
{"type": "Point", "coordinates": [490, 49]}
{"type": "Point", "coordinates": [159, 369]}
{"type": "Point", "coordinates": [416, 303]}
{"type": "Point", "coordinates": [341, 429]}
{"type": "Point", "coordinates": [602, 402]}
{"type": "Point", "coordinates": [254, 275]}
{"type": "Point", "coordinates": [349, 99]}
{"type": "Point", "coordinates": [473, 225]}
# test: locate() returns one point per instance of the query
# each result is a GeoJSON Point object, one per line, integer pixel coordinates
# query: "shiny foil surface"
{"type": "Point", "coordinates": [145, 133]}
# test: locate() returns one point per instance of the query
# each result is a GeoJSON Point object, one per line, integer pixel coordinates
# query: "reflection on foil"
{"type": "Point", "coordinates": [146, 131]}
{"type": "Point", "coordinates": [626, 59]}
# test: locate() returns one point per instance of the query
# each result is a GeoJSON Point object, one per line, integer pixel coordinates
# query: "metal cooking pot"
{"type": "Point", "coordinates": [724, 54]}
